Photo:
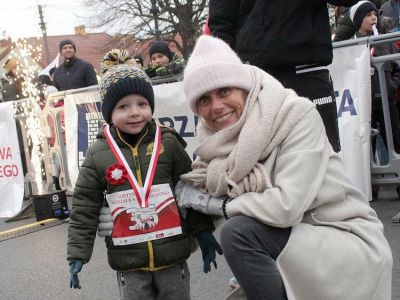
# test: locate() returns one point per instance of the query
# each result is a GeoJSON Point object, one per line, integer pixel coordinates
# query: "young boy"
{"type": "Point", "coordinates": [134, 164]}
{"type": "Point", "coordinates": [164, 62]}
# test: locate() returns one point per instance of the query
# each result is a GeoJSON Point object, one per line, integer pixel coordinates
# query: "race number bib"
{"type": "Point", "coordinates": [136, 224]}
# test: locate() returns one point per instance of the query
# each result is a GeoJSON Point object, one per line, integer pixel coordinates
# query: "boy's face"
{"type": "Point", "coordinates": [369, 20]}
{"type": "Point", "coordinates": [159, 59]}
{"type": "Point", "coordinates": [131, 114]}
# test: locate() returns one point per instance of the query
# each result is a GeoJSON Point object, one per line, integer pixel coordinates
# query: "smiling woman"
{"type": "Point", "coordinates": [296, 228]}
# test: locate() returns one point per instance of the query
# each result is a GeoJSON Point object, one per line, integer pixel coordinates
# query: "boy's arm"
{"type": "Point", "coordinates": [86, 202]}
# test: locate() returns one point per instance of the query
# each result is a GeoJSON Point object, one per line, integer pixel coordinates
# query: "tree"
{"type": "Point", "coordinates": [134, 19]}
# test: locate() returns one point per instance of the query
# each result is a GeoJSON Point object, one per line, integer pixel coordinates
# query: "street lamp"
{"type": "Point", "coordinates": [154, 10]}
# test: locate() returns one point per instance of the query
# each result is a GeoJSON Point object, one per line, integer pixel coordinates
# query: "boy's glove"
{"type": "Point", "coordinates": [75, 267]}
{"type": "Point", "coordinates": [188, 196]}
{"type": "Point", "coordinates": [208, 245]}
{"type": "Point", "coordinates": [106, 224]}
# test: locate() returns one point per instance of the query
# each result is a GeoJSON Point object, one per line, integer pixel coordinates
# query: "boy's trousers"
{"type": "Point", "coordinates": [167, 284]}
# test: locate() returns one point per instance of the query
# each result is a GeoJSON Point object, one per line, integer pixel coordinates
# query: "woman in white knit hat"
{"type": "Point", "coordinates": [295, 227]}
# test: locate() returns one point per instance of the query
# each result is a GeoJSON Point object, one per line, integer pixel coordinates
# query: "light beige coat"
{"type": "Point", "coordinates": [336, 249]}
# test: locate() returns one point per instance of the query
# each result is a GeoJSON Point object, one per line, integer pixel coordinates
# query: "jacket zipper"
{"type": "Point", "coordinates": [134, 151]}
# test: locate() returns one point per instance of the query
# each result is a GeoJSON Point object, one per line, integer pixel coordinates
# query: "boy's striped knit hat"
{"type": "Point", "coordinates": [122, 80]}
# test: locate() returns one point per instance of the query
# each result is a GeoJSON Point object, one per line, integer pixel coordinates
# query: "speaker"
{"type": "Point", "coordinates": [52, 205]}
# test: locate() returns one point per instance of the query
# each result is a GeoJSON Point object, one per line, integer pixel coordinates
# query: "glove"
{"type": "Point", "coordinates": [188, 196]}
{"type": "Point", "coordinates": [75, 267]}
{"type": "Point", "coordinates": [208, 245]}
{"type": "Point", "coordinates": [106, 224]}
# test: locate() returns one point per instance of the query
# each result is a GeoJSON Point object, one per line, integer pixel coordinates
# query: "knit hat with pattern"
{"type": "Point", "coordinates": [359, 10]}
{"type": "Point", "coordinates": [212, 65]}
{"type": "Point", "coordinates": [122, 80]}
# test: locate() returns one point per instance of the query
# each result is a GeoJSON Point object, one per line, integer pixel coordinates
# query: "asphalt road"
{"type": "Point", "coordinates": [34, 266]}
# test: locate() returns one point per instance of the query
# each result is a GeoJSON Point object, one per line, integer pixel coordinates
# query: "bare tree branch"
{"type": "Point", "coordinates": [134, 18]}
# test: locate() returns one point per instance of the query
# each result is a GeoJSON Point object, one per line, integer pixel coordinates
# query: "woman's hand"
{"type": "Point", "coordinates": [188, 196]}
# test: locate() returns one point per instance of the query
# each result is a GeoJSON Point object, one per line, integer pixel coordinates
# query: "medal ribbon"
{"type": "Point", "coordinates": [143, 198]}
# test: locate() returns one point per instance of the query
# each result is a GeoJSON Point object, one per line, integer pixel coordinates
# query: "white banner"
{"type": "Point", "coordinates": [351, 75]}
{"type": "Point", "coordinates": [11, 173]}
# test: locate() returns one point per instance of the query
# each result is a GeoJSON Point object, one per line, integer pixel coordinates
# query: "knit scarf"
{"type": "Point", "coordinates": [230, 160]}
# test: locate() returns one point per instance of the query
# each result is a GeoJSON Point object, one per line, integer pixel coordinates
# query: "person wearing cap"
{"type": "Point", "coordinates": [73, 73]}
{"type": "Point", "coordinates": [12, 84]}
{"type": "Point", "coordinates": [292, 42]}
{"type": "Point", "coordinates": [364, 16]}
{"type": "Point", "coordinates": [164, 61]}
{"type": "Point", "coordinates": [344, 26]}
{"type": "Point", "coordinates": [115, 168]}
{"type": "Point", "coordinates": [295, 225]}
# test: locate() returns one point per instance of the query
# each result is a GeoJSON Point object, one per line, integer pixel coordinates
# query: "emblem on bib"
{"type": "Point", "coordinates": [116, 174]}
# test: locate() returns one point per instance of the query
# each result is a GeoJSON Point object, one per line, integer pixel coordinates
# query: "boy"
{"type": "Point", "coordinates": [150, 241]}
{"type": "Point", "coordinates": [164, 62]}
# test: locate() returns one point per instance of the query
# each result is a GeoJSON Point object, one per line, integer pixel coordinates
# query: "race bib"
{"type": "Point", "coordinates": [136, 224]}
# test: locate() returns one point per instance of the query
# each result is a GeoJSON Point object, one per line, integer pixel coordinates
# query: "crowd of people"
{"type": "Point", "coordinates": [267, 164]}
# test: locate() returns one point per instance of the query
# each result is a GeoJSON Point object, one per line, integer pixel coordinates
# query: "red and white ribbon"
{"type": "Point", "coordinates": [142, 194]}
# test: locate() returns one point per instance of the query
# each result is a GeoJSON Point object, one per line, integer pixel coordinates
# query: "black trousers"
{"type": "Point", "coordinates": [316, 86]}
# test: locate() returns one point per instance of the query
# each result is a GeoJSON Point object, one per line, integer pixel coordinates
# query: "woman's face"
{"type": "Point", "coordinates": [221, 107]}
{"type": "Point", "coordinates": [369, 20]}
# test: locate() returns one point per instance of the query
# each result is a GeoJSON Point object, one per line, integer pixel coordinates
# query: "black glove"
{"type": "Point", "coordinates": [75, 267]}
{"type": "Point", "coordinates": [208, 245]}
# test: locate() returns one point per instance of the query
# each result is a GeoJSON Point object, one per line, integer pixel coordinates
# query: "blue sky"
{"type": "Point", "coordinates": [20, 18]}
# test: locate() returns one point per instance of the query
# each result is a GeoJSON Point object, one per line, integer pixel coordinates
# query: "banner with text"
{"type": "Point", "coordinates": [351, 75]}
{"type": "Point", "coordinates": [11, 173]}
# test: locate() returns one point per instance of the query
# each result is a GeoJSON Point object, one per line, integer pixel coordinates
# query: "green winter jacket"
{"type": "Point", "coordinates": [89, 192]}
{"type": "Point", "coordinates": [175, 66]}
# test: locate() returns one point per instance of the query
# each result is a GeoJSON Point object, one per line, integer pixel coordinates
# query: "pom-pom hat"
{"type": "Point", "coordinates": [212, 65]}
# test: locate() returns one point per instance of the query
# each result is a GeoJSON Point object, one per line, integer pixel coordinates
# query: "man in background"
{"type": "Point", "coordinates": [73, 73]}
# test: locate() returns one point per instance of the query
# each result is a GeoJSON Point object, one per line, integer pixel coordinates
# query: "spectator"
{"type": "Point", "coordinates": [364, 16]}
{"type": "Point", "coordinates": [164, 62]}
{"type": "Point", "coordinates": [73, 73]}
{"type": "Point", "coordinates": [344, 26]}
{"type": "Point", "coordinates": [12, 85]}
{"type": "Point", "coordinates": [292, 42]}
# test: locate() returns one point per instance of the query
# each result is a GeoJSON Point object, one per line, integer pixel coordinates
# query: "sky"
{"type": "Point", "coordinates": [20, 18]}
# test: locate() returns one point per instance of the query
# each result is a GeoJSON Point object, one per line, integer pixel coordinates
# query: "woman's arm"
{"type": "Point", "coordinates": [299, 171]}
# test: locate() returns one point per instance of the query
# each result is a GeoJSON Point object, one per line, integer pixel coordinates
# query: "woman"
{"type": "Point", "coordinates": [296, 227]}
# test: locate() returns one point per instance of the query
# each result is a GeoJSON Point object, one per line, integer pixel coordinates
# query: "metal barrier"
{"type": "Point", "coordinates": [385, 176]}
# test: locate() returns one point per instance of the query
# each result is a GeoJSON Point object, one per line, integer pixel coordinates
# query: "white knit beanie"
{"type": "Point", "coordinates": [212, 65]}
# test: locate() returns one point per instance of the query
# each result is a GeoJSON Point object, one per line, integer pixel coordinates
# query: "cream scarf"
{"type": "Point", "coordinates": [228, 161]}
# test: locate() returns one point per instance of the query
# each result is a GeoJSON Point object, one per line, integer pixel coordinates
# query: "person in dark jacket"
{"type": "Point", "coordinates": [290, 41]}
{"type": "Point", "coordinates": [12, 85]}
{"type": "Point", "coordinates": [164, 61]}
{"type": "Point", "coordinates": [150, 240]}
{"type": "Point", "coordinates": [73, 73]}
